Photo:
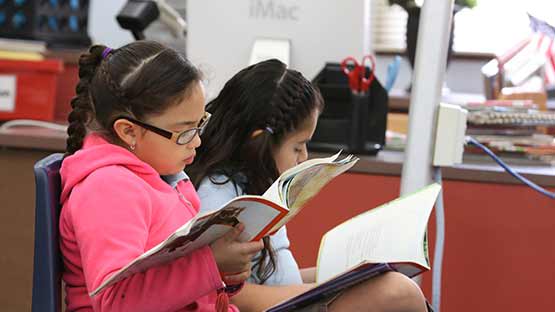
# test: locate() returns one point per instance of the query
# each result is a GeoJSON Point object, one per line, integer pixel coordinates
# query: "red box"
{"type": "Point", "coordinates": [67, 82]}
{"type": "Point", "coordinates": [28, 89]}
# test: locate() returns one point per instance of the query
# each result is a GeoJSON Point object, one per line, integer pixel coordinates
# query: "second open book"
{"type": "Point", "coordinates": [391, 237]}
{"type": "Point", "coordinates": [261, 215]}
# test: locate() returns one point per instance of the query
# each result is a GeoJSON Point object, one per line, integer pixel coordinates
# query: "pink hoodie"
{"type": "Point", "coordinates": [116, 207]}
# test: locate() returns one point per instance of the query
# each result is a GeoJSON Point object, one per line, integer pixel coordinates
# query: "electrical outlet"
{"type": "Point", "coordinates": [450, 133]}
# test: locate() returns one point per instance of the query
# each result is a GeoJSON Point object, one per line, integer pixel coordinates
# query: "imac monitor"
{"type": "Point", "coordinates": [224, 36]}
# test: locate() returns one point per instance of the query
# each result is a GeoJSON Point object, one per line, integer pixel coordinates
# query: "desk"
{"type": "Point", "coordinates": [499, 254]}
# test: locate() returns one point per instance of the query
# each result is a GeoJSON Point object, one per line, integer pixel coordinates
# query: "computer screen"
{"type": "Point", "coordinates": [221, 34]}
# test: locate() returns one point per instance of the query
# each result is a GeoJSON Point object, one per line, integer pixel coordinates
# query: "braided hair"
{"type": "Point", "coordinates": [264, 96]}
{"type": "Point", "coordinates": [137, 80]}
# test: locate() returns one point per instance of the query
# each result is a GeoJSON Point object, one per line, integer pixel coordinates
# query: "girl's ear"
{"type": "Point", "coordinates": [127, 132]}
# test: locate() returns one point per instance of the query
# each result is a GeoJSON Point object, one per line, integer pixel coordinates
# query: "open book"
{"type": "Point", "coordinates": [261, 215]}
{"type": "Point", "coordinates": [391, 237]}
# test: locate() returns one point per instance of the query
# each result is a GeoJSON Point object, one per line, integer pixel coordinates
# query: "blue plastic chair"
{"type": "Point", "coordinates": [47, 268]}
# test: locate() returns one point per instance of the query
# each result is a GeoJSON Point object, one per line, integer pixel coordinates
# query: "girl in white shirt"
{"type": "Point", "coordinates": [260, 125]}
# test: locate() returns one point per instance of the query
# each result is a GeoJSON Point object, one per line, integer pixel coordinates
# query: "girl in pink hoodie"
{"type": "Point", "coordinates": [133, 129]}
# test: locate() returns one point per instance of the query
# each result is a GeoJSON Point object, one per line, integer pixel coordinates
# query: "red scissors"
{"type": "Point", "coordinates": [356, 72]}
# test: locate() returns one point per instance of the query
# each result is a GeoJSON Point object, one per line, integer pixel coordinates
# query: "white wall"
{"type": "Point", "coordinates": [463, 76]}
{"type": "Point", "coordinates": [103, 27]}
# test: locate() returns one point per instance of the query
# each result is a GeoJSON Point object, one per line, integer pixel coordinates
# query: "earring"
{"type": "Point", "coordinates": [132, 146]}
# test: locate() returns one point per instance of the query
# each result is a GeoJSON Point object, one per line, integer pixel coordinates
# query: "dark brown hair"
{"type": "Point", "coordinates": [265, 96]}
{"type": "Point", "coordinates": [137, 80]}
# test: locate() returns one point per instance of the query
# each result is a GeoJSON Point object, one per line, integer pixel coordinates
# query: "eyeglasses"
{"type": "Point", "coordinates": [180, 138]}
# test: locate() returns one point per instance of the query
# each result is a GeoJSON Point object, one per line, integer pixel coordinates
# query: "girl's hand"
{"type": "Point", "coordinates": [234, 257]}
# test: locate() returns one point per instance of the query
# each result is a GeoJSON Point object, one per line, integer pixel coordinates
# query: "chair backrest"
{"type": "Point", "coordinates": [47, 266]}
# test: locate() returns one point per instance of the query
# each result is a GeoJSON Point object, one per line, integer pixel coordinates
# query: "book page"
{"type": "Point", "coordinates": [307, 183]}
{"type": "Point", "coordinates": [391, 233]}
{"type": "Point", "coordinates": [306, 164]}
{"type": "Point", "coordinates": [273, 193]}
{"type": "Point", "coordinates": [257, 214]}
{"type": "Point", "coordinates": [276, 192]}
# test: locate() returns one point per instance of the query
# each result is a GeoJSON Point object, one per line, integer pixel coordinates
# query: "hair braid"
{"type": "Point", "coordinates": [288, 101]}
{"type": "Point", "coordinates": [81, 103]}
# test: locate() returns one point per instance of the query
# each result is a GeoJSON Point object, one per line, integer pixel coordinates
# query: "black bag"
{"type": "Point", "coordinates": [355, 123]}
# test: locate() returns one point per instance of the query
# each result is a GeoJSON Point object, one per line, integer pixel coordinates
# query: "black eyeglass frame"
{"type": "Point", "coordinates": [171, 135]}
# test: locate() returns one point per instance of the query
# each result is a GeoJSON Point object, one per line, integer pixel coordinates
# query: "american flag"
{"type": "Point", "coordinates": [546, 44]}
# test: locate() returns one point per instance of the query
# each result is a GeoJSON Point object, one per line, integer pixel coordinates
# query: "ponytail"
{"type": "Point", "coordinates": [82, 108]}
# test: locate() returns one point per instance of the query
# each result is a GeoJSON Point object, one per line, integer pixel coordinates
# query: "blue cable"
{"type": "Point", "coordinates": [510, 170]}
